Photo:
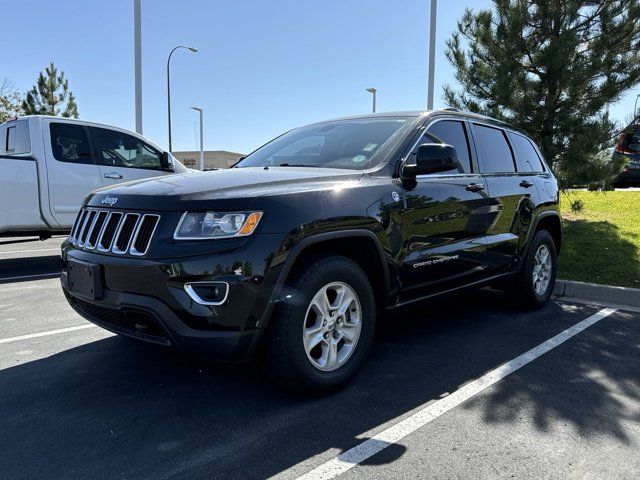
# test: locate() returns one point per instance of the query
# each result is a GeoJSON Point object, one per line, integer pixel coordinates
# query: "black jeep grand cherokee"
{"type": "Point", "coordinates": [294, 252]}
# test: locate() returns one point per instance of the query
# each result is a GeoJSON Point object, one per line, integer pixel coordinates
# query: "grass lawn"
{"type": "Point", "coordinates": [601, 244]}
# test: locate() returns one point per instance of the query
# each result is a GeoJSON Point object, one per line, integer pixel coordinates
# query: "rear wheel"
{"type": "Point", "coordinates": [320, 335]}
{"type": "Point", "coordinates": [537, 276]}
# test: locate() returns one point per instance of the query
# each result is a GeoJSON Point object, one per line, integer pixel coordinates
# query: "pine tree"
{"type": "Point", "coordinates": [550, 67]}
{"type": "Point", "coordinates": [51, 95]}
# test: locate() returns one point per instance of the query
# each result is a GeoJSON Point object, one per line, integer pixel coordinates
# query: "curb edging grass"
{"type": "Point", "coordinates": [604, 294]}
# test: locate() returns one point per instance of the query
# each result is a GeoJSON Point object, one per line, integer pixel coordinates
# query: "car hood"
{"type": "Point", "coordinates": [231, 188]}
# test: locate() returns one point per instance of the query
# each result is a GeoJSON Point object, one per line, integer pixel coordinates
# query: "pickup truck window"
{"type": "Point", "coordinates": [69, 143]}
{"type": "Point", "coordinates": [453, 133]}
{"type": "Point", "coordinates": [118, 149]}
{"type": "Point", "coordinates": [494, 153]}
{"type": "Point", "coordinates": [11, 139]}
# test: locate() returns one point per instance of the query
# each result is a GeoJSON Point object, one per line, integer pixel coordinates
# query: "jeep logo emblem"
{"type": "Point", "coordinates": [111, 201]}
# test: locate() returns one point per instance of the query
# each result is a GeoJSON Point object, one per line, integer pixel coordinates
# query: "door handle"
{"type": "Point", "coordinates": [526, 184]}
{"type": "Point", "coordinates": [475, 187]}
{"type": "Point", "coordinates": [114, 175]}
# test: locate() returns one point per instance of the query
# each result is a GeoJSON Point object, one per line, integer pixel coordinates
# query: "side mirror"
{"type": "Point", "coordinates": [432, 158]}
{"type": "Point", "coordinates": [166, 162]}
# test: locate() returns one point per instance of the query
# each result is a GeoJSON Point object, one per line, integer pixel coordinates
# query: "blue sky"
{"type": "Point", "coordinates": [263, 66]}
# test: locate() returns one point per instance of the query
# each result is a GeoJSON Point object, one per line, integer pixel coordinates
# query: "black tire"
{"type": "Point", "coordinates": [284, 355]}
{"type": "Point", "coordinates": [523, 290]}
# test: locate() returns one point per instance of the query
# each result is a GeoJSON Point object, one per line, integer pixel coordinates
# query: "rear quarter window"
{"type": "Point", "coordinates": [527, 158]}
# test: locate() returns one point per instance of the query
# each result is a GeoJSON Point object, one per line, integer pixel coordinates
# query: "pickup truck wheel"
{"type": "Point", "coordinates": [320, 335]}
{"type": "Point", "coordinates": [537, 276]}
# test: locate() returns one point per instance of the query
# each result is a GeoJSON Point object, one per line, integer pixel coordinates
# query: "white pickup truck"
{"type": "Point", "coordinates": [49, 164]}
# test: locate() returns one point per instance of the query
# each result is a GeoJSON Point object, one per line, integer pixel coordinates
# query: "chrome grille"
{"type": "Point", "coordinates": [113, 231]}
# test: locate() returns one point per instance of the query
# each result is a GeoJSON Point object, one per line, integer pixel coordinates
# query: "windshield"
{"type": "Point", "coordinates": [352, 144]}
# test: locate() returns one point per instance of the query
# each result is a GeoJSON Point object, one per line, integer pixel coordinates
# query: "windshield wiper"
{"type": "Point", "coordinates": [296, 165]}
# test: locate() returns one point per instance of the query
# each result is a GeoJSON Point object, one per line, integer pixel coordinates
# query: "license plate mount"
{"type": "Point", "coordinates": [84, 279]}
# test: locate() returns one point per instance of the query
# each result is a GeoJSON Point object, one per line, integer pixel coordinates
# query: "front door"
{"type": "Point", "coordinates": [71, 172]}
{"type": "Point", "coordinates": [444, 221]}
{"type": "Point", "coordinates": [122, 157]}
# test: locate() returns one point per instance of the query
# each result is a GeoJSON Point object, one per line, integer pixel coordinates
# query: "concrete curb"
{"type": "Point", "coordinates": [601, 294]}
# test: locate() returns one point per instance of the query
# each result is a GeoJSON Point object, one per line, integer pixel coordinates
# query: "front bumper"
{"type": "Point", "coordinates": [149, 319]}
{"type": "Point", "coordinates": [146, 299]}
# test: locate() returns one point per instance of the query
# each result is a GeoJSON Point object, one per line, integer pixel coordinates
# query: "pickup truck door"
{"type": "Point", "coordinates": [445, 220]}
{"type": "Point", "coordinates": [71, 171]}
{"type": "Point", "coordinates": [122, 157]}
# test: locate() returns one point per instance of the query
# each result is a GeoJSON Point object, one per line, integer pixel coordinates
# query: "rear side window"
{"type": "Point", "coordinates": [494, 153]}
{"type": "Point", "coordinates": [631, 140]}
{"type": "Point", "coordinates": [11, 139]}
{"type": "Point", "coordinates": [453, 133]}
{"type": "Point", "coordinates": [118, 149]}
{"type": "Point", "coordinates": [527, 158]}
{"type": "Point", "coordinates": [69, 143]}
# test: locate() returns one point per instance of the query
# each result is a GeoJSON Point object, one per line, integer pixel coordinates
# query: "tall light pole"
{"type": "Point", "coordinates": [432, 52]}
{"type": "Point", "coordinates": [373, 92]}
{"type": "Point", "coordinates": [137, 50]}
{"type": "Point", "coordinates": [201, 162]}
{"type": "Point", "coordinates": [191, 49]}
{"type": "Point", "coordinates": [635, 107]}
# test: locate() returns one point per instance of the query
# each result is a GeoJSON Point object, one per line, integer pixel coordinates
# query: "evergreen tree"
{"type": "Point", "coordinates": [550, 67]}
{"type": "Point", "coordinates": [51, 95]}
{"type": "Point", "coordinates": [10, 100]}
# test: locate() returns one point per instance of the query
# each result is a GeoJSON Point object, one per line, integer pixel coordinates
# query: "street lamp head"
{"type": "Point", "coordinates": [372, 90]}
{"type": "Point", "coordinates": [193, 49]}
{"type": "Point", "coordinates": [197, 109]}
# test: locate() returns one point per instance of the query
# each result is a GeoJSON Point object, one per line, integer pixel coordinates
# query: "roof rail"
{"type": "Point", "coordinates": [451, 109]}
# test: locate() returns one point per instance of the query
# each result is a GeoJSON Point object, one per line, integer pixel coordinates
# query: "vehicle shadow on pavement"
{"type": "Point", "coordinates": [115, 407]}
{"type": "Point", "coordinates": [27, 267]}
{"type": "Point", "coordinates": [588, 384]}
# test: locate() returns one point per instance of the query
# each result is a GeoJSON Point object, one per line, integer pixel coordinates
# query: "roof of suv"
{"type": "Point", "coordinates": [425, 113]}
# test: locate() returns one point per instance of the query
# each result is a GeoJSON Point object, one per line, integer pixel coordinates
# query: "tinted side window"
{"type": "Point", "coordinates": [69, 143]}
{"type": "Point", "coordinates": [118, 149]}
{"type": "Point", "coordinates": [494, 153]}
{"type": "Point", "coordinates": [454, 134]}
{"type": "Point", "coordinates": [631, 140]}
{"type": "Point", "coordinates": [527, 158]}
{"type": "Point", "coordinates": [11, 139]}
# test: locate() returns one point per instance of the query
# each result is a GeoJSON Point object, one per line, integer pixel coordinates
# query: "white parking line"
{"type": "Point", "coordinates": [401, 429]}
{"type": "Point", "coordinates": [12, 252]}
{"type": "Point", "coordinates": [45, 334]}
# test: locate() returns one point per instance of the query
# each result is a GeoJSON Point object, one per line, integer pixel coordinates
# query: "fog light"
{"type": "Point", "coordinates": [207, 293]}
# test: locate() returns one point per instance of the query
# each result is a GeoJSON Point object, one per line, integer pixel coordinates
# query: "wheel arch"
{"type": "Point", "coordinates": [551, 222]}
{"type": "Point", "coordinates": [361, 245]}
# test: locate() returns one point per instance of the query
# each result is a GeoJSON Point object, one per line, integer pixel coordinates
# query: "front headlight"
{"type": "Point", "coordinates": [207, 225]}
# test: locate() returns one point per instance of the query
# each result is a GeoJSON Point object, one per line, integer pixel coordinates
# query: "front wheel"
{"type": "Point", "coordinates": [320, 335]}
{"type": "Point", "coordinates": [537, 276]}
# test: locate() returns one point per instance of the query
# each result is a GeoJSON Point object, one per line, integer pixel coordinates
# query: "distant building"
{"type": "Point", "coordinates": [212, 159]}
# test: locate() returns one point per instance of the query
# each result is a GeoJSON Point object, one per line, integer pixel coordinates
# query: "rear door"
{"type": "Point", "coordinates": [444, 222]}
{"type": "Point", "coordinates": [513, 194]}
{"type": "Point", "coordinates": [71, 171]}
{"type": "Point", "coordinates": [122, 157]}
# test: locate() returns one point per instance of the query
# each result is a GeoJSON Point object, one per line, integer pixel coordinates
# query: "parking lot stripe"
{"type": "Point", "coordinates": [13, 252]}
{"type": "Point", "coordinates": [349, 459]}
{"type": "Point", "coordinates": [45, 334]}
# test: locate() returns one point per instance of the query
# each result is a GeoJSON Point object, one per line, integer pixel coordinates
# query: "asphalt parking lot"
{"type": "Point", "coordinates": [79, 402]}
